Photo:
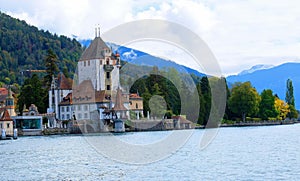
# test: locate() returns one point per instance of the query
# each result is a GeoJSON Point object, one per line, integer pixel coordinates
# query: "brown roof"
{"type": "Point", "coordinates": [5, 116]}
{"type": "Point", "coordinates": [94, 51]}
{"type": "Point", "coordinates": [119, 105]}
{"type": "Point", "coordinates": [64, 83]}
{"type": "Point", "coordinates": [85, 93]}
{"type": "Point", "coordinates": [182, 119]}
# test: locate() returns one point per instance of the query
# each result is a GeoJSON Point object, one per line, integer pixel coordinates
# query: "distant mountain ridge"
{"type": "Point", "coordinates": [273, 78]}
{"type": "Point", "coordinates": [256, 68]}
{"type": "Point", "coordinates": [141, 58]}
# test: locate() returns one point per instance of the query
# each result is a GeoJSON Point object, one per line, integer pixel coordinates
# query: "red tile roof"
{"type": "Point", "coordinates": [3, 91]}
{"type": "Point", "coordinates": [134, 96]}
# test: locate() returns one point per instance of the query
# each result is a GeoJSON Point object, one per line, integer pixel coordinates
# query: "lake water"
{"type": "Point", "coordinates": [249, 153]}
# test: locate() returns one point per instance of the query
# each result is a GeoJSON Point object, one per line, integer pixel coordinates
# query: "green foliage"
{"type": "Point", "coordinates": [289, 96]}
{"type": "Point", "coordinates": [25, 47]}
{"type": "Point", "coordinates": [51, 67]}
{"type": "Point", "coordinates": [32, 92]}
{"type": "Point", "coordinates": [267, 105]}
{"type": "Point", "coordinates": [244, 100]}
{"type": "Point", "coordinates": [204, 92]}
{"type": "Point", "coordinates": [290, 100]}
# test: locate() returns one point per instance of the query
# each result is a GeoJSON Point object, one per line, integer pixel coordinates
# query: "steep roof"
{"type": "Point", "coordinates": [5, 116]}
{"type": "Point", "coordinates": [119, 105]}
{"type": "Point", "coordinates": [64, 82]}
{"type": "Point", "coordinates": [85, 93]}
{"type": "Point", "coordinates": [94, 51]}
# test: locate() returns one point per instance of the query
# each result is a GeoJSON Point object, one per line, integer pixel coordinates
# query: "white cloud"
{"type": "Point", "coordinates": [240, 33]}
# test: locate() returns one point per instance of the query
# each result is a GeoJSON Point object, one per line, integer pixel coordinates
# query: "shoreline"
{"type": "Point", "coordinates": [249, 124]}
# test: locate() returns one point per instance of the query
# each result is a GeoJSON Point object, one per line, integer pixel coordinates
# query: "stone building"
{"type": "Point", "coordinates": [95, 87]}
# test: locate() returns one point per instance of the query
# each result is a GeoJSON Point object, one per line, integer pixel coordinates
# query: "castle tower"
{"type": "Point", "coordinates": [100, 65]}
{"type": "Point", "coordinates": [9, 103]}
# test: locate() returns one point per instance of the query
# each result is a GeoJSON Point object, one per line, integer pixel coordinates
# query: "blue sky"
{"type": "Point", "coordinates": [240, 33]}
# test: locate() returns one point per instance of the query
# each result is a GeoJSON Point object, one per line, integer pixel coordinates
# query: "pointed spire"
{"type": "Point", "coordinates": [119, 106]}
{"type": "Point", "coordinates": [5, 116]}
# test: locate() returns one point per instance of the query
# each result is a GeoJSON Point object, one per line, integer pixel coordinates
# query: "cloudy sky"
{"type": "Point", "coordinates": [240, 33]}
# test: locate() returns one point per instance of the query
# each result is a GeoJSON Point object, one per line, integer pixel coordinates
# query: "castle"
{"type": "Point", "coordinates": [95, 88]}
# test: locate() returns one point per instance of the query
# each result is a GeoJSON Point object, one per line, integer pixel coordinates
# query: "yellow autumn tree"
{"type": "Point", "coordinates": [282, 108]}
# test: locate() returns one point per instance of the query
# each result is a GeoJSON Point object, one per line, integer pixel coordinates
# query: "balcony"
{"type": "Point", "coordinates": [108, 68]}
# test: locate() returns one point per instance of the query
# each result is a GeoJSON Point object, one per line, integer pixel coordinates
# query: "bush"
{"type": "Point", "coordinates": [225, 121]}
{"type": "Point", "coordinates": [272, 119]}
{"type": "Point", "coordinates": [256, 119]}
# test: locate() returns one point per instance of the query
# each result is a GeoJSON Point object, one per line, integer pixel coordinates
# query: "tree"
{"type": "Point", "coordinates": [205, 101]}
{"type": "Point", "coordinates": [290, 100]}
{"type": "Point", "coordinates": [244, 100]}
{"type": "Point", "coordinates": [282, 108]}
{"type": "Point", "coordinates": [51, 67]}
{"type": "Point", "coordinates": [267, 105]}
{"type": "Point", "coordinates": [32, 92]}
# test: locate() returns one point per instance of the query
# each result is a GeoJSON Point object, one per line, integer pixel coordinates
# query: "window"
{"type": "Point", "coordinates": [107, 75]}
{"type": "Point", "coordinates": [85, 107]}
{"type": "Point", "coordinates": [89, 63]}
{"type": "Point", "coordinates": [136, 106]}
{"type": "Point", "coordinates": [68, 109]}
{"type": "Point", "coordinates": [84, 63]}
{"type": "Point", "coordinates": [7, 125]}
{"type": "Point", "coordinates": [100, 62]}
{"type": "Point", "coordinates": [79, 115]}
{"type": "Point", "coordinates": [85, 115]}
{"type": "Point", "coordinates": [68, 116]}
{"type": "Point", "coordinates": [63, 117]}
{"type": "Point", "coordinates": [107, 61]}
{"type": "Point", "coordinates": [79, 108]}
{"type": "Point", "coordinates": [62, 109]}
{"type": "Point", "coordinates": [107, 87]}
{"type": "Point", "coordinates": [1, 125]}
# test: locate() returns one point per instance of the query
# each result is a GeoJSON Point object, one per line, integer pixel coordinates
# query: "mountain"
{"type": "Point", "coordinates": [273, 78]}
{"type": "Point", "coordinates": [256, 68]}
{"type": "Point", "coordinates": [141, 58]}
{"type": "Point", "coordinates": [25, 47]}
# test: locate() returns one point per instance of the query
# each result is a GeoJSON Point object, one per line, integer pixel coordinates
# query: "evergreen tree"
{"type": "Point", "coordinates": [32, 92]}
{"type": "Point", "coordinates": [205, 101]}
{"type": "Point", "coordinates": [290, 100]}
{"type": "Point", "coordinates": [51, 67]}
{"type": "Point", "coordinates": [289, 96]}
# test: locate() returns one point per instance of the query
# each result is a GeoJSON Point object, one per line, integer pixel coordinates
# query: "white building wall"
{"type": "Point", "coordinates": [66, 112]}
{"type": "Point", "coordinates": [58, 96]}
{"type": "Point", "coordinates": [115, 78]}
{"type": "Point", "coordinates": [96, 73]}
{"type": "Point", "coordinates": [87, 71]}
